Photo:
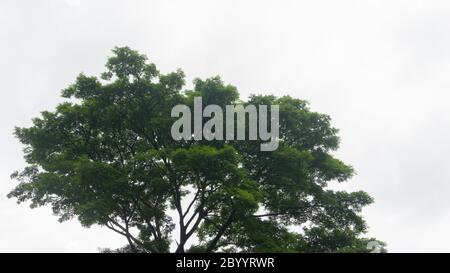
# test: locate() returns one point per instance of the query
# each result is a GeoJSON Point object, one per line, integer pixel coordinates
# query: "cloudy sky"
{"type": "Point", "coordinates": [380, 69]}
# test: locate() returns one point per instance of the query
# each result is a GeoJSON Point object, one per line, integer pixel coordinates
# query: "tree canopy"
{"type": "Point", "coordinates": [106, 157]}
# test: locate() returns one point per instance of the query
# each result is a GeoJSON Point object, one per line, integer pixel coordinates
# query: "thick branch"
{"type": "Point", "coordinates": [213, 244]}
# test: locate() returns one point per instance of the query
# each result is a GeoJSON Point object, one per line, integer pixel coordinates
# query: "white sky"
{"type": "Point", "coordinates": [378, 68]}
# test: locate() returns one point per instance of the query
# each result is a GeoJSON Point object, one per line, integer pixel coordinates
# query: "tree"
{"type": "Point", "coordinates": [106, 156]}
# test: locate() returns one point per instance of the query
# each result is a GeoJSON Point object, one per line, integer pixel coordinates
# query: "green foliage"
{"type": "Point", "coordinates": [109, 159]}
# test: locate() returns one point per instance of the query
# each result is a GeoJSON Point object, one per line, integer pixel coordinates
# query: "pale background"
{"type": "Point", "coordinates": [380, 69]}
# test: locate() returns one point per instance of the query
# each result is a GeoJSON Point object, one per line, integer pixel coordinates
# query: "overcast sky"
{"type": "Point", "coordinates": [380, 69]}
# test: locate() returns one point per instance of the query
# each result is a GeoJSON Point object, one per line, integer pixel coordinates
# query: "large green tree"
{"type": "Point", "coordinates": [106, 156]}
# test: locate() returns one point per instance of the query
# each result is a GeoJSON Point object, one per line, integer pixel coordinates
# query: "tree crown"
{"type": "Point", "coordinates": [108, 159]}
